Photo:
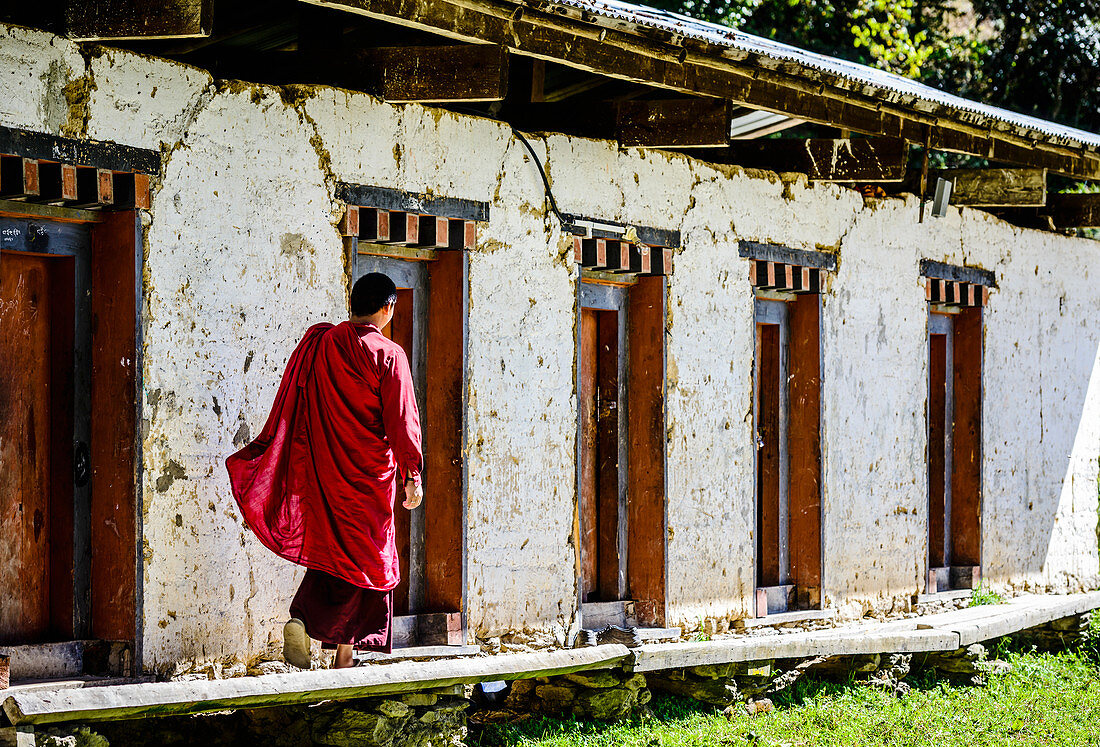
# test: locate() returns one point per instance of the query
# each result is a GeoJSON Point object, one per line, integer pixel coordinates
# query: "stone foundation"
{"type": "Point", "coordinates": [69, 737]}
{"type": "Point", "coordinates": [716, 684]}
{"type": "Point", "coordinates": [605, 695]}
{"type": "Point", "coordinates": [1058, 635]}
{"type": "Point", "coordinates": [426, 719]}
{"type": "Point", "coordinates": [962, 666]}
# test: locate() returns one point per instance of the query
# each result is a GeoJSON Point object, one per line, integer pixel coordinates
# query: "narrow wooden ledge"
{"type": "Point", "coordinates": [944, 596]}
{"type": "Point", "coordinates": [782, 618]}
{"type": "Point", "coordinates": [420, 652]}
{"type": "Point", "coordinates": [841, 642]}
{"type": "Point", "coordinates": [946, 631]}
{"type": "Point", "coordinates": [204, 696]}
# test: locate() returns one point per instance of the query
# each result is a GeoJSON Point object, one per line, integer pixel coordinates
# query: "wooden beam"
{"type": "Point", "coordinates": [57, 182]}
{"type": "Point", "coordinates": [593, 120]}
{"type": "Point", "coordinates": [675, 123]}
{"type": "Point", "coordinates": [828, 160]}
{"type": "Point", "coordinates": [364, 195]}
{"type": "Point", "coordinates": [20, 209]}
{"type": "Point", "coordinates": [204, 696]}
{"type": "Point", "coordinates": [1074, 210]}
{"type": "Point", "coordinates": [110, 156]}
{"type": "Point", "coordinates": [652, 57]}
{"type": "Point", "coordinates": [468, 72]}
{"type": "Point", "coordinates": [138, 19]}
{"type": "Point", "coordinates": [997, 187]}
{"type": "Point", "coordinates": [18, 177]}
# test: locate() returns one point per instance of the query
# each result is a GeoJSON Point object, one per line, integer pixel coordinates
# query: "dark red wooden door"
{"type": "Point", "coordinates": [36, 332]}
{"type": "Point", "coordinates": [598, 393]}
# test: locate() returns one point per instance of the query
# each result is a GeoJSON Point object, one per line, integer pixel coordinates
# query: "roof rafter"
{"type": "Point", "coordinates": [658, 58]}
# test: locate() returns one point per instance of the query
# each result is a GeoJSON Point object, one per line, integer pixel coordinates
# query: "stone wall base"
{"type": "Point", "coordinates": [716, 684]}
{"type": "Point", "coordinates": [1058, 635]}
{"type": "Point", "coordinates": [605, 695]}
{"type": "Point", "coordinates": [425, 719]}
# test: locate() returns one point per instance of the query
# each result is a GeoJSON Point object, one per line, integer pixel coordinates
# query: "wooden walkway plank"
{"type": "Point", "coordinates": [849, 642]}
{"type": "Point", "coordinates": [1023, 613]}
{"type": "Point", "coordinates": [941, 632]}
{"type": "Point", "coordinates": [945, 631]}
{"type": "Point", "coordinates": [178, 698]}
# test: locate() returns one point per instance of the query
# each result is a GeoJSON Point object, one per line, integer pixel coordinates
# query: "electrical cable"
{"type": "Point", "coordinates": [542, 173]}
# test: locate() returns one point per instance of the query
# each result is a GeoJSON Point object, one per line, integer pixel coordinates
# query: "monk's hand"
{"type": "Point", "coordinates": [414, 494]}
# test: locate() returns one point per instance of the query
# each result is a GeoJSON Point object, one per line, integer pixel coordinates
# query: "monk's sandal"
{"type": "Point", "coordinates": [296, 644]}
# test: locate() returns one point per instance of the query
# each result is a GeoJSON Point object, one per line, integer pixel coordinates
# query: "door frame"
{"type": "Point", "coordinates": [107, 567]}
{"type": "Point", "coordinates": [610, 298]}
{"type": "Point", "coordinates": [440, 616]}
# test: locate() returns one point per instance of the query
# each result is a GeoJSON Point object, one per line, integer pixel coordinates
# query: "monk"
{"type": "Point", "coordinates": [318, 485]}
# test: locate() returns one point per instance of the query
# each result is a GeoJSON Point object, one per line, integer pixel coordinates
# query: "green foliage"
{"type": "Point", "coordinates": [1043, 699]}
{"type": "Point", "coordinates": [983, 595]}
{"type": "Point", "coordinates": [1081, 188]}
{"type": "Point", "coordinates": [886, 30]}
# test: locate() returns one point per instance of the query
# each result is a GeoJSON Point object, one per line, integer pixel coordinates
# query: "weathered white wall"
{"type": "Point", "coordinates": [1042, 426]}
{"type": "Point", "coordinates": [242, 254]}
{"type": "Point", "coordinates": [38, 71]}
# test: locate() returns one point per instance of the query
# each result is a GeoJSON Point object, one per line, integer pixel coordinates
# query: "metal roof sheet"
{"type": "Point", "coordinates": [862, 75]}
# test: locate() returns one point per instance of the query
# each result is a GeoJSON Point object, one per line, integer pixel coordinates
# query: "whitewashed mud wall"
{"type": "Point", "coordinates": [242, 254]}
{"type": "Point", "coordinates": [1043, 427]}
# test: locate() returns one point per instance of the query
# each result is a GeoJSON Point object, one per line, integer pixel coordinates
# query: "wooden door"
{"type": "Point", "coordinates": [407, 329]}
{"type": "Point", "coordinates": [602, 495]}
{"type": "Point", "coordinates": [589, 481]}
{"type": "Point", "coordinates": [36, 499]}
{"type": "Point", "coordinates": [430, 539]}
{"type": "Point", "coordinates": [771, 420]}
{"type": "Point", "coordinates": [939, 441]}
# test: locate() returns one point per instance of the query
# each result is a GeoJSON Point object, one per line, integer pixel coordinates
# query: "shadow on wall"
{"type": "Point", "coordinates": [1055, 532]}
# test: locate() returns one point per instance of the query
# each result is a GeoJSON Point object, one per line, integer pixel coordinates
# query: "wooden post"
{"type": "Point", "coordinates": [115, 278]}
{"type": "Point", "coordinates": [646, 563]}
{"type": "Point", "coordinates": [966, 468]}
{"type": "Point", "coordinates": [805, 440]}
{"type": "Point", "coordinates": [924, 172]}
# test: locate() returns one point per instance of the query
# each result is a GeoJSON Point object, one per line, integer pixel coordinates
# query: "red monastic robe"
{"type": "Point", "coordinates": [318, 484]}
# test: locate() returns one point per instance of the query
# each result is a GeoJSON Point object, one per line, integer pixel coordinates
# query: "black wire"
{"type": "Point", "coordinates": [542, 173]}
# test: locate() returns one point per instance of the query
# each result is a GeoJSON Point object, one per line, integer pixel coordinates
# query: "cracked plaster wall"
{"type": "Point", "coordinates": [242, 254]}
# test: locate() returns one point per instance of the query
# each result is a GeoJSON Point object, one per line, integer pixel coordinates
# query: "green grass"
{"type": "Point", "coordinates": [983, 595]}
{"type": "Point", "coordinates": [1045, 699]}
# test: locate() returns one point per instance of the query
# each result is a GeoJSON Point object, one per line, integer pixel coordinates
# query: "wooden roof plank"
{"type": "Point", "coordinates": [138, 19]}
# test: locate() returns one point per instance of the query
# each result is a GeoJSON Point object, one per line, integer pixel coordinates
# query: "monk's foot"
{"type": "Point", "coordinates": [344, 657]}
{"type": "Point", "coordinates": [296, 644]}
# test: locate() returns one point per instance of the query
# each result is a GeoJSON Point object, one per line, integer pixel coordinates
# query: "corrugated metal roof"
{"type": "Point", "coordinates": [872, 80]}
